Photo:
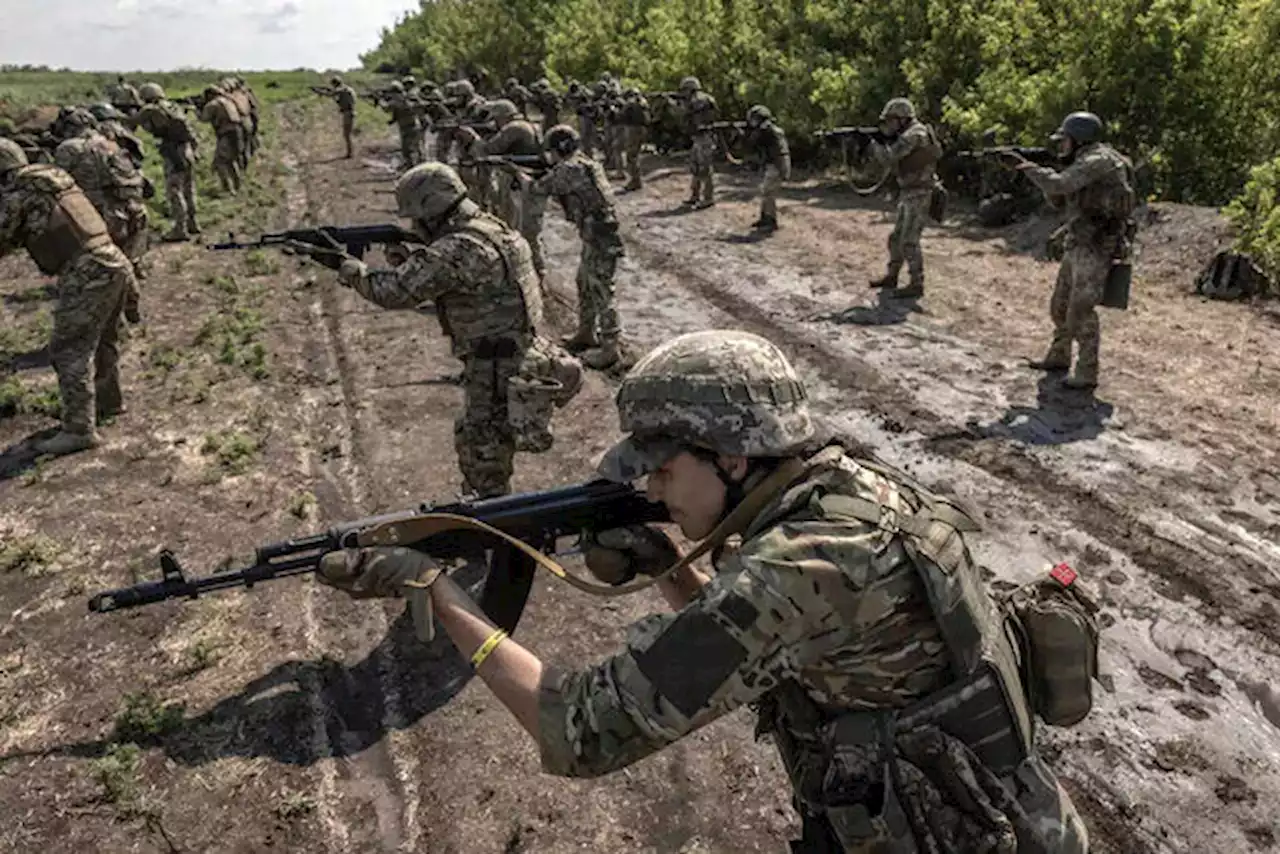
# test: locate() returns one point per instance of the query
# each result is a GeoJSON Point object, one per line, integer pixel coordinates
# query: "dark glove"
{"type": "Point", "coordinates": [1011, 159]}
{"type": "Point", "coordinates": [617, 556]}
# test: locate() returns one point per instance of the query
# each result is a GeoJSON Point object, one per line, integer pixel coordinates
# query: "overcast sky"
{"type": "Point", "coordinates": [161, 35]}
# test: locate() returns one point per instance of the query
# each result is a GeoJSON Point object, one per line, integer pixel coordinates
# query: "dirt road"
{"type": "Point", "coordinates": [265, 402]}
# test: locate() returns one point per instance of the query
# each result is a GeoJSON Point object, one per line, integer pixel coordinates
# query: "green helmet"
{"type": "Point", "coordinates": [408, 81]}
{"type": "Point", "coordinates": [1082, 127]}
{"type": "Point", "coordinates": [541, 83]}
{"type": "Point", "coordinates": [74, 122]}
{"type": "Point", "coordinates": [335, 80]}
{"type": "Point", "coordinates": [562, 139]}
{"type": "Point", "coordinates": [395, 86]}
{"type": "Point", "coordinates": [501, 110]}
{"type": "Point", "coordinates": [758, 115]}
{"type": "Point", "coordinates": [465, 89]}
{"type": "Point", "coordinates": [104, 112]}
{"type": "Point", "coordinates": [691, 84]}
{"type": "Point", "coordinates": [11, 156]}
{"type": "Point", "coordinates": [898, 108]}
{"type": "Point", "coordinates": [723, 390]}
{"type": "Point", "coordinates": [428, 191]}
{"type": "Point", "coordinates": [151, 92]}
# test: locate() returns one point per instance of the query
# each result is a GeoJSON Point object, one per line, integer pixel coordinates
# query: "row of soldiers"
{"type": "Point", "coordinates": [80, 214]}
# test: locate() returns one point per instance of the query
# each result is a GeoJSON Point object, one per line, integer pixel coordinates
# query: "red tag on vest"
{"type": "Point", "coordinates": [1063, 574]}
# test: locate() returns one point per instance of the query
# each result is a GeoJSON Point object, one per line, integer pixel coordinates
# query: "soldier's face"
{"type": "Point", "coordinates": [693, 492]}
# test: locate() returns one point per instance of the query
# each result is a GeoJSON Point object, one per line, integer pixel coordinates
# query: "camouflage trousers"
{"type": "Point", "coordinates": [479, 189]}
{"type": "Point", "coordinates": [601, 249]}
{"type": "Point", "coordinates": [770, 183]}
{"type": "Point", "coordinates": [904, 240]}
{"type": "Point", "coordinates": [632, 141]}
{"type": "Point", "coordinates": [1073, 308]}
{"type": "Point", "coordinates": [589, 135]}
{"type": "Point", "coordinates": [248, 144]}
{"type": "Point", "coordinates": [180, 191]}
{"type": "Point", "coordinates": [411, 147]}
{"type": "Point", "coordinates": [226, 160]}
{"type": "Point", "coordinates": [612, 147]}
{"type": "Point", "coordinates": [532, 211]}
{"type": "Point", "coordinates": [127, 225]}
{"type": "Point", "coordinates": [86, 323]}
{"type": "Point", "coordinates": [348, 128]}
{"type": "Point", "coordinates": [483, 438]}
{"type": "Point", "coordinates": [702, 186]}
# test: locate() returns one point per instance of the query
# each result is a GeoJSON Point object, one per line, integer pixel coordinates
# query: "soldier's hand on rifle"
{"type": "Point", "coordinates": [396, 254]}
{"type": "Point", "coordinates": [619, 555]}
{"type": "Point", "coordinates": [331, 258]}
{"type": "Point", "coordinates": [381, 572]}
{"type": "Point", "coordinates": [1012, 160]}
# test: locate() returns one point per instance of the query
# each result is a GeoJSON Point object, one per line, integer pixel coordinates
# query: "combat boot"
{"type": "Point", "coordinates": [766, 223]}
{"type": "Point", "coordinates": [581, 341]}
{"type": "Point", "coordinates": [193, 226]}
{"type": "Point", "coordinates": [605, 356]}
{"type": "Point", "coordinates": [888, 280]}
{"type": "Point", "coordinates": [1057, 359]}
{"type": "Point", "coordinates": [1080, 381]}
{"type": "Point", "coordinates": [913, 291]}
{"type": "Point", "coordinates": [66, 442]}
{"type": "Point", "coordinates": [177, 235]}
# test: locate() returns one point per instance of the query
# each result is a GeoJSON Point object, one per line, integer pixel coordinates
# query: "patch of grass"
{"type": "Point", "coordinates": [259, 262]}
{"type": "Point", "coordinates": [232, 335]}
{"type": "Point", "coordinates": [303, 505]}
{"type": "Point", "coordinates": [145, 718]}
{"type": "Point", "coordinates": [295, 805]}
{"type": "Point", "coordinates": [28, 337]}
{"type": "Point", "coordinates": [36, 294]}
{"type": "Point", "coordinates": [17, 399]}
{"type": "Point", "coordinates": [31, 556]}
{"type": "Point", "coordinates": [166, 357]}
{"type": "Point", "coordinates": [202, 656]}
{"type": "Point", "coordinates": [223, 284]}
{"type": "Point", "coordinates": [175, 265]}
{"type": "Point", "coordinates": [233, 451]}
{"type": "Point", "coordinates": [117, 772]}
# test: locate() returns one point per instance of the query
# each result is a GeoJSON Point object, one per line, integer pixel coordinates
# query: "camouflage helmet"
{"type": "Point", "coordinates": [759, 114]}
{"type": "Point", "coordinates": [335, 80]}
{"type": "Point", "coordinates": [511, 83]}
{"type": "Point", "coordinates": [408, 81]}
{"type": "Point", "coordinates": [395, 86]}
{"type": "Point", "coordinates": [542, 83]}
{"type": "Point", "coordinates": [898, 108]}
{"type": "Point", "coordinates": [501, 110]}
{"type": "Point", "coordinates": [631, 92]}
{"type": "Point", "coordinates": [151, 92]}
{"type": "Point", "coordinates": [691, 84]}
{"type": "Point", "coordinates": [104, 112]}
{"type": "Point", "coordinates": [73, 122]}
{"type": "Point", "coordinates": [428, 191]}
{"type": "Point", "coordinates": [562, 139]}
{"type": "Point", "coordinates": [465, 88]}
{"type": "Point", "coordinates": [725, 391]}
{"type": "Point", "coordinates": [11, 156]}
{"type": "Point", "coordinates": [1080, 126]}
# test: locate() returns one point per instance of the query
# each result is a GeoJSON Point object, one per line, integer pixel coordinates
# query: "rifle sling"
{"type": "Point", "coordinates": [417, 528]}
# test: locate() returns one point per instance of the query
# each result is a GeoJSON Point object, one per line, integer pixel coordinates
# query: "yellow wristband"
{"type": "Point", "coordinates": [489, 645]}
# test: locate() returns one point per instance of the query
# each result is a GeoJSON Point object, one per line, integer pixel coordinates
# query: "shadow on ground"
{"type": "Point", "coordinates": [1060, 416]}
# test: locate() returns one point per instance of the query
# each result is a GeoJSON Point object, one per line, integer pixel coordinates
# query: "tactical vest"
{"type": "Point", "coordinates": [984, 706]}
{"type": "Point", "coordinates": [517, 259]}
{"type": "Point", "coordinates": [167, 121]}
{"type": "Point", "coordinates": [589, 203]}
{"type": "Point", "coordinates": [225, 117]}
{"type": "Point", "coordinates": [73, 227]}
{"type": "Point", "coordinates": [1109, 202]}
{"type": "Point", "coordinates": [924, 157]}
{"type": "Point", "coordinates": [702, 112]}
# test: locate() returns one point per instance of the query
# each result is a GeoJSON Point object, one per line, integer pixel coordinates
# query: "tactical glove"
{"type": "Point", "coordinates": [617, 556]}
{"type": "Point", "coordinates": [386, 572]}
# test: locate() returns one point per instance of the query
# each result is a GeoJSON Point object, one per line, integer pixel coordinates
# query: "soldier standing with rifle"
{"type": "Point", "coordinates": [179, 149]}
{"type": "Point", "coordinates": [404, 115]}
{"type": "Point", "coordinates": [699, 114]}
{"type": "Point", "coordinates": [43, 211]}
{"type": "Point", "coordinates": [913, 153]}
{"type": "Point", "coordinates": [766, 143]}
{"type": "Point", "coordinates": [221, 113]}
{"type": "Point", "coordinates": [548, 102]}
{"type": "Point", "coordinates": [1096, 190]}
{"type": "Point", "coordinates": [345, 97]}
{"type": "Point", "coordinates": [634, 126]}
{"type": "Point", "coordinates": [850, 614]}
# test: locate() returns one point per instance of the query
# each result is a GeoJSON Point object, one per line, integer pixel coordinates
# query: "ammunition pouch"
{"type": "Point", "coordinates": [73, 227]}
{"type": "Point", "coordinates": [548, 379]}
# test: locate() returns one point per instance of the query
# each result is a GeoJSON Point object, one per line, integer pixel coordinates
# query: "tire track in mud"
{"type": "Point", "coordinates": [380, 774]}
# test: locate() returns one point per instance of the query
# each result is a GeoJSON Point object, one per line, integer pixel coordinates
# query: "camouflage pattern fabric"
{"type": "Point", "coordinates": [479, 276]}
{"type": "Point", "coordinates": [768, 144]}
{"type": "Point", "coordinates": [166, 122]}
{"type": "Point", "coordinates": [516, 137]}
{"type": "Point", "coordinates": [904, 240]}
{"type": "Point", "coordinates": [633, 139]}
{"type": "Point", "coordinates": [582, 188]}
{"type": "Point", "coordinates": [831, 605]}
{"type": "Point", "coordinates": [404, 116]}
{"type": "Point", "coordinates": [700, 111]}
{"type": "Point", "coordinates": [1096, 192]}
{"type": "Point", "coordinates": [221, 113]}
{"type": "Point", "coordinates": [914, 155]}
{"type": "Point", "coordinates": [549, 106]}
{"type": "Point", "coordinates": [180, 193]}
{"type": "Point", "coordinates": [345, 97]}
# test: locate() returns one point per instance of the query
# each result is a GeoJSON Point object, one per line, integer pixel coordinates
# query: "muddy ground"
{"type": "Point", "coordinates": [265, 402]}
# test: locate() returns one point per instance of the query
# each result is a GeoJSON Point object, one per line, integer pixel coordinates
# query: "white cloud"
{"type": "Point", "coordinates": [128, 35]}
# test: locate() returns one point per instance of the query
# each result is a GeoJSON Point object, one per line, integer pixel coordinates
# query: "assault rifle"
{"type": "Point", "coordinates": [862, 136]}
{"type": "Point", "coordinates": [323, 91]}
{"type": "Point", "coordinates": [194, 102]}
{"type": "Point", "coordinates": [540, 519]}
{"type": "Point", "coordinates": [327, 244]}
{"type": "Point", "coordinates": [738, 126]}
{"type": "Point", "coordinates": [529, 162]}
{"type": "Point", "coordinates": [1039, 156]}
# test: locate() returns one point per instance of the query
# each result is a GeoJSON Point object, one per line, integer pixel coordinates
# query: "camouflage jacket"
{"type": "Point", "coordinates": [914, 154]}
{"type": "Point", "coordinates": [221, 112]}
{"type": "Point", "coordinates": [479, 275]}
{"type": "Point", "coordinates": [117, 133]}
{"type": "Point", "coordinates": [1096, 190]}
{"type": "Point", "coordinates": [102, 169]}
{"type": "Point", "coordinates": [517, 137]}
{"type": "Point", "coordinates": [699, 112]}
{"type": "Point", "coordinates": [167, 122]}
{"type": "Point", "coordinates": [833, 605]}
{"type": "Point", "coordinates": [582, 188]}
{"type": "Point", "coordinates": [345, 97]}
{"type": "Point", "coordinates": [768, 144]}
{"type": "Point", "coordinates": [404, 112]}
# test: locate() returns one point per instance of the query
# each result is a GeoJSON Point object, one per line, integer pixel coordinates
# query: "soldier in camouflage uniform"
{"type": "Point", "coordinates": [515, 92]}
{"type": "Point", "coordinates": [223, 116]}
{"type": "Point", "coordinates": [179, 149]}
{"type": "Point", "coordinates": [548, 102]}
{"type": "Point", "coordinates": [114, 187]}
{"type": "Point", "coordinates": [123, 96]}
{"type": "Point", "coordinates": [914, 154]}
{"type": "Point", "coordinates": [404, 115]}
{"type": "Point", "coordinates": [515, 136]}
{"type": "Point", "coordinates": [43, 211]}
{"type": "Point", "coordinates": [766, 143]}
{"type": "Point", "coordinates": [345, 97]}
{"type": "Point", "coordinates": [582, 188]}
{"type": "Point", "coordinates": [699, 113]}
{"type": "Point", "coordinates": [247, 103]}
{"type": "Point", "coordinates": [111, 126]}
{"type": "Point", "coordinates": [1096, 191]}
{"type": "Point", "coordinates": [479, 275]}
{"type": "Point", "coordinates": [850, 614]}
{"type": "Point", "coordinates": [634, 126]}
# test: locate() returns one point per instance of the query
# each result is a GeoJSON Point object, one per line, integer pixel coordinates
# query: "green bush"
{"type": "Point", "coordinates": [1189, 88]}
{"type": "Point", "coordinates": [1255, 213]}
